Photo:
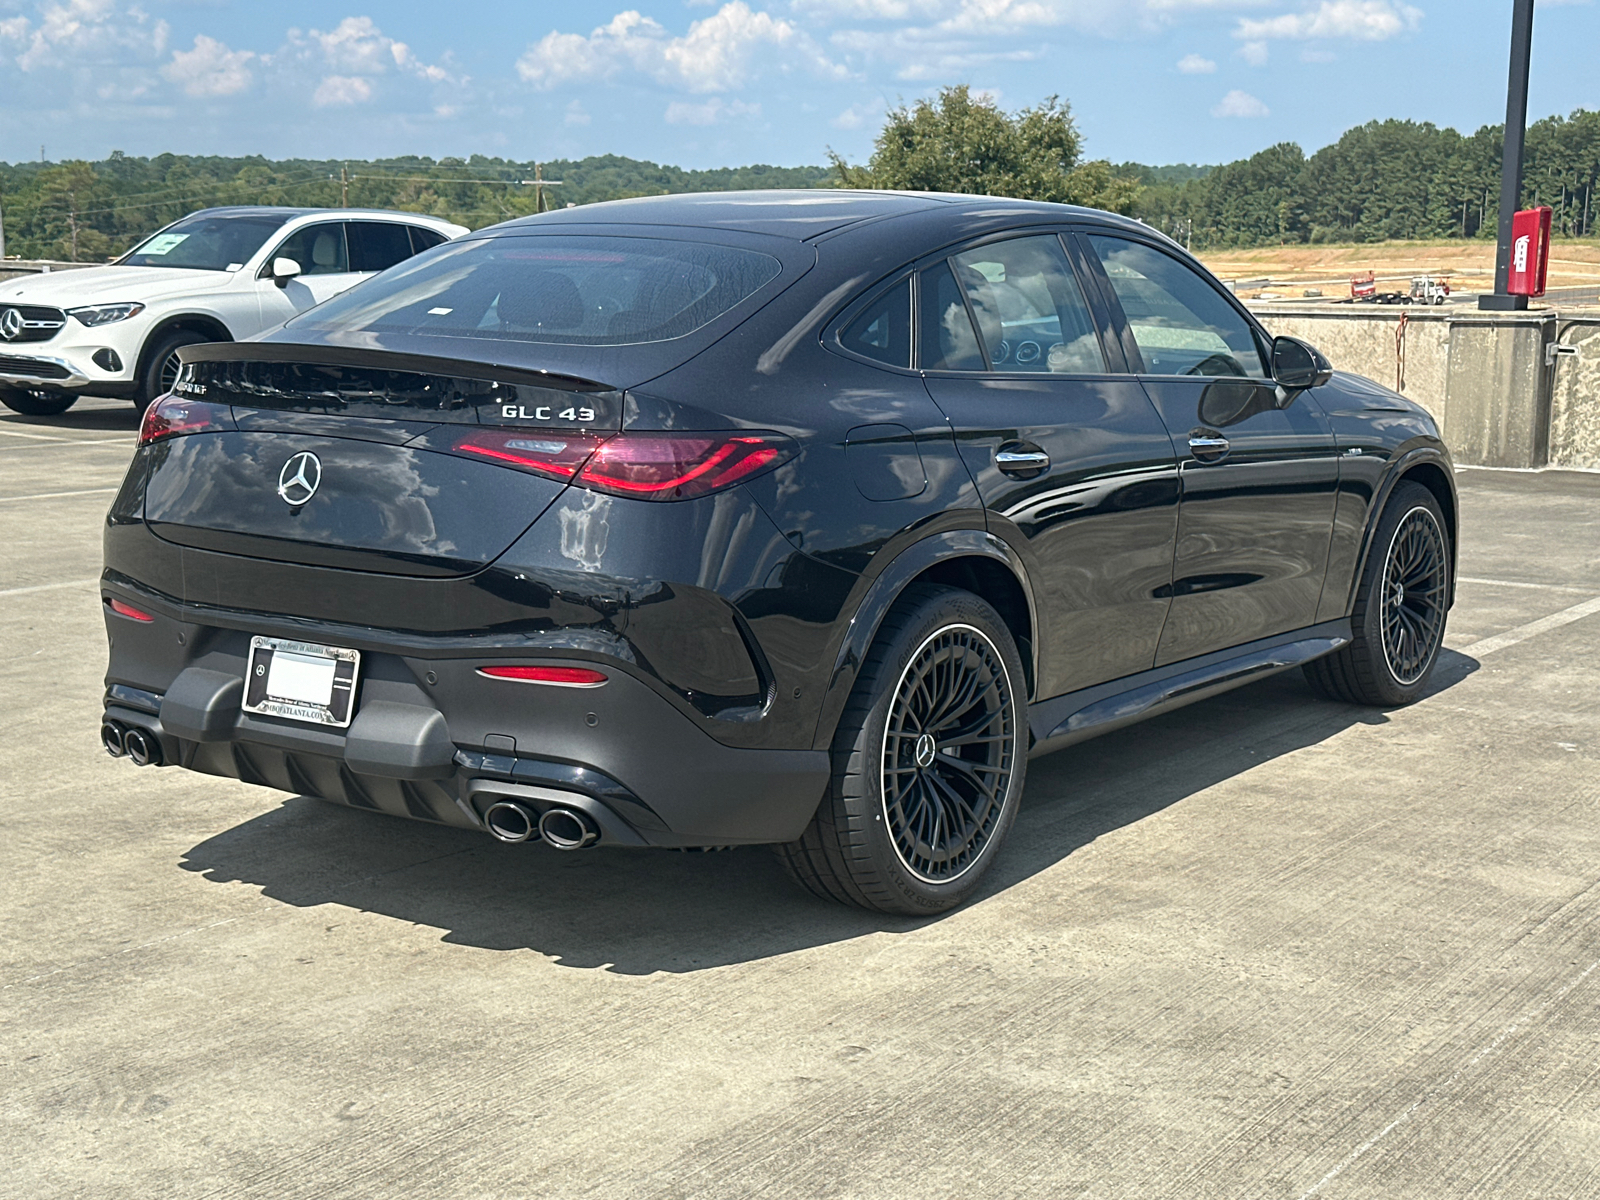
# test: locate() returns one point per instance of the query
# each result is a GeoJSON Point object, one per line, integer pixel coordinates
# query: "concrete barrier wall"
{"type": "Point", "coordinates": [1501, 396]}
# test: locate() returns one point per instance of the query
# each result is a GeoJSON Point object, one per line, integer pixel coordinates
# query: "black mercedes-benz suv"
{"type": "Point", "coordinates": [801, 518]}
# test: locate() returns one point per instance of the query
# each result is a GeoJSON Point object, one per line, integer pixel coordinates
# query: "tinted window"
{"type": "Point", "coordinates": [948, 342]}
{"type": "Point", "coordinates": [319, 249]}
{"type": "Point", "coordinates": [377, 245]}
{"type": "Point", "coordinates": [571, 289]}
{"type": "Point", "coordinates": [1181, 322]}
{"type": "Point", "coordinates": [204, 243]}
{"type": "Point", "coordinates": [1029, 307]}
{"type": "Point", "coordinates": [425, 239]}
{"type": "Point", "coordinates": [882, 330]}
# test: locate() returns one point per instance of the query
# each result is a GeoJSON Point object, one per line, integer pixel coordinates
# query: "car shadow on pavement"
{"type": "Point", "coordinates": [639, 912]}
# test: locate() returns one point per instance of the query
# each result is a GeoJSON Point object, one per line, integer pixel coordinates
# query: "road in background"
{"type": "Point", "coordinates": [1268, 946]}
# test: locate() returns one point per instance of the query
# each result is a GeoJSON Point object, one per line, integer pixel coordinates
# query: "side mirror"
{"type": "Point", "coordinates": [1229, 401]}
{"type": "Point", "coordinates": [1298, 365]}
{"type": "Point", "coordinates": [283, 270]}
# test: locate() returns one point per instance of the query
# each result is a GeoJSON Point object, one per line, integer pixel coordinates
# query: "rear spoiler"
{"type": "Point", "coordinates": [386, 360]}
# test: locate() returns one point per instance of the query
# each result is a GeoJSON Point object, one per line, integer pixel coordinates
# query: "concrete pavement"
{"type": "Point", "coordinates": [1269, 946]}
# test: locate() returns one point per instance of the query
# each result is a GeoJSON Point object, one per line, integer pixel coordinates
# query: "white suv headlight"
{"type": "Point", "coordinates": [105, 314]}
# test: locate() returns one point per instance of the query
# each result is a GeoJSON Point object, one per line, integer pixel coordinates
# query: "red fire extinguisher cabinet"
{"type": "Point", "coordinates": [1530, 251]}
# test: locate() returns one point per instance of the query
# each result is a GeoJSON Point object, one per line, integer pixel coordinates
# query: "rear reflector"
{"type": "Point", "coordinates": [644, 466]}
{"type": "Point", "coordinates": [558, 676]}
{"type": "Point", "coordinates": [172, 415]}
{"type": "Point", "coordinates": [128, 610]}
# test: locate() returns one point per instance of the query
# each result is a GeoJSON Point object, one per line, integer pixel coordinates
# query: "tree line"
{"type": "Point", "coordinates": [1381, 181]}
{"type": "Point", "coordinates": [91, 211]}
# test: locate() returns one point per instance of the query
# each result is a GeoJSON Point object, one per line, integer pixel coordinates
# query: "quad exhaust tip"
{"type": "Point", "coordinates": [142, 747]}
{"type": "Point", "coordinates": [139, 746]}
{"type": "Point", "coordinates": [559, 828]}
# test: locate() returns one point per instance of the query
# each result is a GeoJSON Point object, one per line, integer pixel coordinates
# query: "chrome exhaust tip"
{"type": "Point", "coordinates": [509, 822]}
{"type": "Point", "coordinates": [567, 829]}
{"type": "Point", "coordinates": [111, 734]}
{"type": "Point", "coordinates": [142, 747]}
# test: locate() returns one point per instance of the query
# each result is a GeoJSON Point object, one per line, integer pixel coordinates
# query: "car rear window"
{"type": "Point", "coordinates": [553, 288]}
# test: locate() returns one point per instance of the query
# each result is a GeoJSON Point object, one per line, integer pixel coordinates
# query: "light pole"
{"type": "Point", "coordinates": [1511, 165]}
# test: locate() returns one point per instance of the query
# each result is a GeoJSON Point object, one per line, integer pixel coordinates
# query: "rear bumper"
{"type": "Point", "coordinates": [432, 740]}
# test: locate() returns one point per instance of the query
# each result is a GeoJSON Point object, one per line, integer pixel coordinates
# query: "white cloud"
{"type": "Point", "coordinates": [1366, 20]}
{"type": "Point", "coordinates": [715, 55]}
{"type": "Point", "coordinates": [341, 89]}
{"type": "Point", "coordinates": [1194, 64]}
{"type": "Point", "coordinates": [1254, 53]}
{"type": "Point", "coordinates": [210, 69]}
{"type": "Point", "coordinates": [358, 48]}
{"type": "Point", "coordinates": [1240, 104]}
{"type": "Point", "coordinates": [576, 114]}
{"type": "Point", "coordinates": [79, 33]}
{"type": "Point", "coordinates": [711, 112]}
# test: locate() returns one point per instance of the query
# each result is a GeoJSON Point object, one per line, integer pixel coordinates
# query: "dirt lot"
{"type": "Point", "coordinates": [1268, 946]}
{"type": "Point", "coordinates": [1470, 265]}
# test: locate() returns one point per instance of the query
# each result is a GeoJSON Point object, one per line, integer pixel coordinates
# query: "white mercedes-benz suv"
{"type": "Point", "coordinates": [218, 275]}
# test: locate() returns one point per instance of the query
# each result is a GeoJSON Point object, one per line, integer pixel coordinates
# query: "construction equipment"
{"type": "Point", "coordinates": [1430, 289]}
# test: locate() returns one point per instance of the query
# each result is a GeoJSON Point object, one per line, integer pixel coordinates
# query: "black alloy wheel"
{"type": "Point", "coordinates": [929, 760]}
{"type": "Point", "coordinates": [37, 403]}
{"type": "Point", "coordinates": [949, 749]}
{"type": "Point", "coordinates": [1415, 591]}
{"type": "Point", "coordinates": [1400, 610]}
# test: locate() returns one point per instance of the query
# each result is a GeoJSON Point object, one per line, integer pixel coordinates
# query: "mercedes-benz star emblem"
{"type": "Point", "coordinates": [10, 324]}
{"type": "Point", "coordinates": [298, 480]}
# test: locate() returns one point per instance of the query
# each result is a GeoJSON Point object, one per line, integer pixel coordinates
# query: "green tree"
{"type": "Point", "coordinates": [965, 143]}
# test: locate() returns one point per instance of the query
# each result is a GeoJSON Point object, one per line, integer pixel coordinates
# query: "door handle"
{"type": "Point", "coordinates": [1024, 462]}
{"type": "Point", "coordinates": [1209, 447]}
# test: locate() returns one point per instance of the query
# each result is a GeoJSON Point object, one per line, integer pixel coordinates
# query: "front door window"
{"type": "Point", "coordinates": [1180, 322]}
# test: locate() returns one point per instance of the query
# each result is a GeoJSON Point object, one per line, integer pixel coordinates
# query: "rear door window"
{"type": "Point", "coordinates": [1181, 323]}
{"type": "Point", "coordinates": [377, 245]}
{"type": "Point", "coordinates": [1029, 307]}
{"type": "Point", "coordinates": [947, 341]}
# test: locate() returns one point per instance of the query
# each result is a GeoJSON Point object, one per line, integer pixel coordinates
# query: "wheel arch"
{"type": "Point", "coordinates": [207, 326]}
{"type": "Point", "coordinates": [970, 559]}
{"type": "Point", "coordinates": [1431, 468]}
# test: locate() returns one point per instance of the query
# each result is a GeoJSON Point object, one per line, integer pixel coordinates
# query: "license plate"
{"type": "Point", "coordinates": [301, 681]}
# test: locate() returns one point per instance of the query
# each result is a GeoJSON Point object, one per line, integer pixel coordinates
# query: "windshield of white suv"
{"type": "Point", "coordinates": [572, 289]}
{"type": "Point", "coordinates": [207, 243]}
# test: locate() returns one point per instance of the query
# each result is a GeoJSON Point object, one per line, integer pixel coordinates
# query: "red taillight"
{"type": "Point", "coordinates": [559, 676]}
{"type": "Point", "coordinates": [644, 466]}
{"type": "Point", "coordinates": [172, 415]}
{"type": "Point", "coordinates": [128, 610]}
{"type": "Point", "coordinates": [678, 466]}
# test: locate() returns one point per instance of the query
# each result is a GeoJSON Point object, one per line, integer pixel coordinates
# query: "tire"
{"type": "Point", "coordinates": [37, 404]}
{"type": "Point", "coordinates": [160, 365]}
{"type": "Point", "coordinates": [1400, 611]}
{"type": "Point", "coordinates": [903, 828]}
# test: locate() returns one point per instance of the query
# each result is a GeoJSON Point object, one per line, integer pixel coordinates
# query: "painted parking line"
{"type": "Point", "coordinates": [1516, 583]}
{"type": "Point", "coordinates": [55, 495]}
{"type": "Point", "coordinates": [49, 587]}
{"type": "Point", "coordinates": [1500, 641]}
{"type": "Point", "coordinates": [65, 443]}
{"type": "Point", "coordinates": [38, 437]}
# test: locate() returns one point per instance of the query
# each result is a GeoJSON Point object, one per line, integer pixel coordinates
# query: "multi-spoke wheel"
{"type": "Point", "coordinates": [929, 760]}
{"type": "Point", "coordinates": [949, 747]}
{"type": "Point", "coordinates": [1399, 617]}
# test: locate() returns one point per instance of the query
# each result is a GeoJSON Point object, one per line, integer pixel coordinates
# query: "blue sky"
{"type": "Point", "coordinates": [723, 82]}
